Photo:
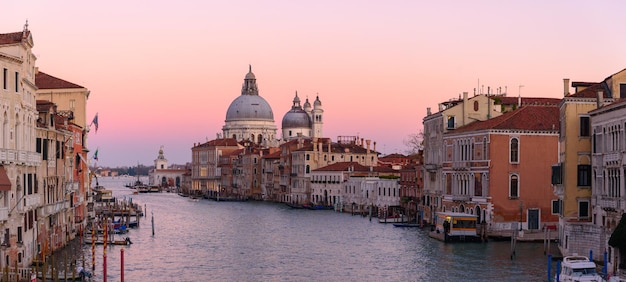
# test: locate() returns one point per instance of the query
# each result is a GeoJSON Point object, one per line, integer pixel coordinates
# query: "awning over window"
{"type": "Point", "coordinates": [5, 183]}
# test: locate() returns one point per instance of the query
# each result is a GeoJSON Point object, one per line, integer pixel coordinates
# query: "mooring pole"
{"type": "Point", "coordinates": [122, 264]}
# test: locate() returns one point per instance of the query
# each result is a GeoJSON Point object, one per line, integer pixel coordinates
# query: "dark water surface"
{"type": "Point", "coordinates": [257, 241]}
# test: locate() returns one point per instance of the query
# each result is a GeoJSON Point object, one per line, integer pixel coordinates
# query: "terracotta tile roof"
{"type": "Point", "coordinates": [617, 103]}
{"type": "Point", "coordinates": [343, 166]}
{"type": "Point", "coordinates": [528, 101]}
{"type": "Point", "coordinates": [535, 118]}
{"type": "Point", "coordinates": [219, 143]}
{"type": "Point", "coordinates": [338, 148]}
{"type": "Point", "coordinates": [44, 105]}
{"type": "Point", "coordinates": [591, 91]}
{"type": "Point", "coordinates": [232, 153]}
{"type": "Point", "coordinates": [11, 38]}
{"type": "Point", "coordinates": [394, 156]}
{"type": "Point", "coordinates": [275, 155]}
{"type": "Point", "coordinates": [46, 81]}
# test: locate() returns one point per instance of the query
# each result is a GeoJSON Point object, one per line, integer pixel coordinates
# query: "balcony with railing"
{"type": "Point", "coordinates": [611, 157]}
{"type": "Point", "coordinates": [460, 198]}
{"type": "Point", "coordinates": [55, 208]}
{"type": "Point", "coordinates": [610, 203]}
{"type": "Point", "coordinates": [4, 214]}
{"type": "Point", "coordinates": [461, 165]}
{"type": "Point", "coordinates": [32, 201]}
{"type": "Point", "coordinates": [20, 156]}
{"type": "Point", "coordinates": [71, 186]}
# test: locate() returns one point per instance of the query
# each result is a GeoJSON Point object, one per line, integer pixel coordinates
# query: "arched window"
{"type": "Point", "coordinates": [308, 168]}
{"type": "Point", "coordinates": [514, 186]}
{"type": "Point", "coordinates": [514, 150]}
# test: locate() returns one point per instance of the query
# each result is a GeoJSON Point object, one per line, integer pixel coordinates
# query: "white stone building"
{"type": "Point", "coordinates": [608, 200]}
{"type": "Point", "coordinates": [19, 161]}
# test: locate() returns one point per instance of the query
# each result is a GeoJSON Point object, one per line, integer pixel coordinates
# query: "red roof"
{"type": "Point", "coordinates": [275, 155]}
{"type": "Point", "coordinates": [219, 143]}
{"type": "Point", "coordinates": [46, 81]}
{"type": "Point", "coordinates": [535, 118]}
{"type": "Point", "coordinates": [528, 101]}
{"type": "Point", "coordinates": [343, 166]}
{"type": "Point", "coordinates": [591, 91]}
{"type": "Point", "coordinates": [11, 38]}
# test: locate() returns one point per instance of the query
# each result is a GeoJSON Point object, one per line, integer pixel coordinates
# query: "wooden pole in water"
{"type": "Point", "coordinates": [65, 264]}
{"type": "Point", "coordinates": [104, 251]}
{"type": "Point", "coordinates": [122, 264]}
{"type": "Point", "coordinates": [152, 224]}
{"type": "Point", "coordinates": [93, 246]}
{"type": "Point", "coordinates": [549, 267]}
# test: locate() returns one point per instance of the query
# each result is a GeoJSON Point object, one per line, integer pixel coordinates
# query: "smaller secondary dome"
{"type": "Point", "coordinates": [296, 118]}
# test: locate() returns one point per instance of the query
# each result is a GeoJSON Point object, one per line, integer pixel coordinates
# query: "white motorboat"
{"type": "Point", "coordinates": [578, 268]}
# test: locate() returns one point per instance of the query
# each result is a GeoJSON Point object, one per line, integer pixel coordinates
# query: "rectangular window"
{"type": "Point", "coordinates": [555, 207]}
{"type": "Point", "coordinates": [514, 187]}
{"type": "Point", "coordinates": [19, 234]}
{"type": "Point", "coordinates": [38, 145]}
{"type": "Point", "coordinates": [17, 82]}
{"type": "Point", "coordinates": [583, 209]}
{"type": "Point", "coordinates": [557, 175]}
{"type": "Point", "coordinates": [584, 127]}
{"type": "Point", "coordinates": [622, 90]}
{"type": "Point", "coordinates": [44, 151]}
{"type": "Point", "coordinates": [584, 175]}
{"type": "Point", "coordinates": [4, 78]}
{"type": "Point", "coordinates": [451, 122]}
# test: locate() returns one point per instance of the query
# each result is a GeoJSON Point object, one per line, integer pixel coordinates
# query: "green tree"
{"type": "Point", "coordinates": [618, 237]}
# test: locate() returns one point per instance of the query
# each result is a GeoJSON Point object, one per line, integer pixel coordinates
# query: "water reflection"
{"type": "Point", "coordinates": [256, 241]}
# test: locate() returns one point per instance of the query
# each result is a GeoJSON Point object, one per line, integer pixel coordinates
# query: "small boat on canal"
{"type": "Point", "coordinates": [578, 268]}
{"type": "Point", "coordinates": [455, 227]}
{"type": "Point", "coordinates": [395, 218]}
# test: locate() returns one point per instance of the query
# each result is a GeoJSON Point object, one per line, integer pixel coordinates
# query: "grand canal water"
{"type": "Point", "coordinates": [257, 241]}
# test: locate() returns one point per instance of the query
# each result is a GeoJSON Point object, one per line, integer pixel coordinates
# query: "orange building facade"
{"type": "Point", "coordinates": [500, 170]}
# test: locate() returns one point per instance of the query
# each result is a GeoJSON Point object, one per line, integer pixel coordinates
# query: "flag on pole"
{"type": "Point", "coordinates": [95, 122]}
{"type": "Point", "coordinates": [95, 155]}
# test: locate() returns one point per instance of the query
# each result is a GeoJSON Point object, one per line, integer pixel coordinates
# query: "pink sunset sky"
{"type": "Point", "coordinates": [165, 72]}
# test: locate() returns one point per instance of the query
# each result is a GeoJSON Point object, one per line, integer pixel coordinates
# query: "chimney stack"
{"type": "Point", "coordinates": [565, 87]}
{"type": "Point", "coordinates": [368, 145]}
{"type": "Point", "coordinates": [600, 98]}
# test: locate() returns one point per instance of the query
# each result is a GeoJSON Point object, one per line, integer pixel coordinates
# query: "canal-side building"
{"type": "Point", "coordinates": [71, 102]}
{"type": "Point", "coordinates": [165, 176]}
{"type": "Point", "coordinates": [572, 175]}
{"type": "Point", "coordinates": [499, 169]}
{"type": "Point", "coordinates": [451, 115]}
{"type": "Point", "coordinates": [247, 172]}
{"type": "Point", "coordinates": [320, 152]}
{"type": "Point", "coordinates": [271, 175]}
{"type": "Point", "coordinates": [206, 170]}
{"type": "Point", "coordinates": [411, 187]}
{"type": "Point", "coordinates": [19, 160]}
{"type": "Point", "coordinates": [608, 196]}
{"type": "Point", "coordinates": [55, 223]}
{"type": "Point", "coordinates": [351, 186]}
